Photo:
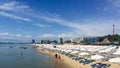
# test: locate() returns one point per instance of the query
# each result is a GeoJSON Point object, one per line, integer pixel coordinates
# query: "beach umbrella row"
{"type": "Point", "coordinates": [83, 53]}
{"type": "Point", "coordinates": [117, 52]}
{"type": "Point", "coordinates": [75, 52]}
{"type": "Point", "coordinates": [115, 60]}
{"type": "Point", "coordinates": [96, 57]}
{"type": "Point", "coordinates": [107, 50]}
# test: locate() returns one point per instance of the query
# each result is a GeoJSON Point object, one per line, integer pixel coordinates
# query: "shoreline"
{"type": "Point", "coordinates": [68, 62]}
{"type": "Point", "coordinates": [65, 61]}
{"type": "Point", "coordinates": [59, 63]}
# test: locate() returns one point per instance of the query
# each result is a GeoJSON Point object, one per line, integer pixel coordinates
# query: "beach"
{"type": "Point", "coordinates": [58, 63]}
{"type": "Point", "coordinates": [68, 62]}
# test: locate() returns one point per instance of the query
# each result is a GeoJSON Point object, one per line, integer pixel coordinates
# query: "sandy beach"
{"type": "Point", "coordinates": [69, 63]}
{"type": "Point", "coordinates": [58, 63]}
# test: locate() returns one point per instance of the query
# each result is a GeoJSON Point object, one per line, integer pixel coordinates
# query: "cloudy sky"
{"type": "Point", "coordinates": [27, 19]}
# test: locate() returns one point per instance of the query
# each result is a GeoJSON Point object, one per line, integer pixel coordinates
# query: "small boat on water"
{"type": "Point", "coordinates": [11, 47]}
{"type": "Point", "coordinates": [23, 47]}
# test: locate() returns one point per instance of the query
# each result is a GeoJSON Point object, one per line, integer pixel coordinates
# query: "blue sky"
{"type": "Point", "coordinates": [46, 19]}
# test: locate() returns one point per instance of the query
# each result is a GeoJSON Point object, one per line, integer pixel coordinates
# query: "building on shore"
{"type": "Point", "coordinates": [105, 41]}
{"type": "Point", "coordinates": [84, 40]}
{"type": "Point", "coordinates": [33, 41]}
{"type": "Point", "coordinates": [77, 39]}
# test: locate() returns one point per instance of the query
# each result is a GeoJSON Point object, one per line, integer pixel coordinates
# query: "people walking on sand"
{"type": "Point", "coordinates": [56, 55]}
{"type": "Point", "coordinates": [59, 57]}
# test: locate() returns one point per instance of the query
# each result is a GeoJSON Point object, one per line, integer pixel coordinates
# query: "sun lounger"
{"type": "Point", "coordinates": [100, 65]}
{"type": "Point", "coordinates": [86, 61]}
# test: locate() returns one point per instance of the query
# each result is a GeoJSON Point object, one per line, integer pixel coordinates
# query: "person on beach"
{"type": "Point", "coordinates": [56, 55]}
{"type": "Point", "coordinates": [59, 56]}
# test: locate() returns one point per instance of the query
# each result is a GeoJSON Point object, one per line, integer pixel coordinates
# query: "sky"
{"type": "Point", "coordinates": [50, 19]}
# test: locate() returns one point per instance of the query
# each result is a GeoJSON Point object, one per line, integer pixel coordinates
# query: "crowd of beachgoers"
{"type": "Point", "coordinates": [95, 56]}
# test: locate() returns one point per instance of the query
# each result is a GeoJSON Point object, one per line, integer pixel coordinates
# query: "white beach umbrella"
{"type": "Point", "coordinates": [58, 49]}
{"type": "Point", "coordinates": [84, 53]}
{"type": "Point", "coordinates": [83, 49]}
{"type": "Point", "coordinates": [107, 50]}
{"type": "Point", "coordinates": [96, 57]}
{"type": "Point", "coordinates": [63, 50]}
{"type": "Point", "coordinates": [67, 51]}
{"type": "Point", "coordinates": [117, 53]}
{"type": "Point", "coordinates": [91, 50]}
{"type": "Point", "coordinates": [104, 51]}
{"type": "Point", "coordinates": [75, 52]}
{"type": "Point", "coordinates": [115, 60]}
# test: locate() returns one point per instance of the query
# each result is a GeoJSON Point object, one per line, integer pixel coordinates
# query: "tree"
{"type": "Point", "coordinates": [55, 41]}
{"type": "Point", "coordinates": [43, 41]}
{"type": "Point", "coordinates": [68, 41]}
{"type": "Point", "coordinates": [48, 41]}
{"type": "Point", "coordinates": [111, 38]}
{"type": "Point", "coordinates": [61, 40]}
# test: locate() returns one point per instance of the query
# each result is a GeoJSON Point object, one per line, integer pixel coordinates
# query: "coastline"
{"type": "Point", "coordinates": [59, 63]}
{"type": "Point", "coordinates": [65, 61]}
{"type": "Point", "coordinates": [69, 63]}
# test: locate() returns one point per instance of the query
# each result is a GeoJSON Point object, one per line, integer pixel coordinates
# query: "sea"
{"type": "Point", "coordinates": [16, 56]}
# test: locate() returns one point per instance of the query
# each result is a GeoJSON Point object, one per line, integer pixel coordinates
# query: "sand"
{"type": "Point", "coordinates": [66, 62]}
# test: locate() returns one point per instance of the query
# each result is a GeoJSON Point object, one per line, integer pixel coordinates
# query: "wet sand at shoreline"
{"type": "Point", "coordinates": [59, 63]}
{"type": "Point", "coordinates": [64, 62]}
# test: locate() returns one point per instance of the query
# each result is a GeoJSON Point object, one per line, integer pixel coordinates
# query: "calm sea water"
{"type": "Point", "coordinates": [17, 57]}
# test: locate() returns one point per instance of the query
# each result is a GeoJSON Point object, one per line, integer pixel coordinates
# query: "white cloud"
{"type": "Point", "coordinates": [2, 13]}
{"type": "Point", "coordinates": [13, 6]}
{"type": "Point", "coordinates": [65, 35]}
{"type": "Point", "coordinates": [9, 34]}
{"type": "Point", "coordinates": [90, 28]}
{"type": "Point", "coordinates": [105, 8]}
{"type": "Point", "coordinates": [28, 36]}
{"type": "Point", "coordinates": [54, 15]}
{"type": "Point", "coordinates": [115, 3]}
{"type": "Point", "coordinates": [5, 33]}
{"type": "Point", "coordinates": [41, 25]}
{"type": "Point", "coordinates": [18, 35]}
{"type": "Point", "coordinates": [49, 35]}
{"type": "Point", "coordinates": [59, 21]}
{"type": "Point", "coordinates": [94, 28]}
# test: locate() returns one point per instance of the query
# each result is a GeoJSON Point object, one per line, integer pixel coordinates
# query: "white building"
{"type": "Point", "coordinates": [77, 39]}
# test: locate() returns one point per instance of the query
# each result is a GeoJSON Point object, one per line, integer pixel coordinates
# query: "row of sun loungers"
{"type": "Point", "coordinates": [80, 59]}
{"type": "Point", "coordinates": [100, 65]}
{"type": "Point", "coordinates": [86, 61]}
{"type": "Point", "coordinates": [74, 53]}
